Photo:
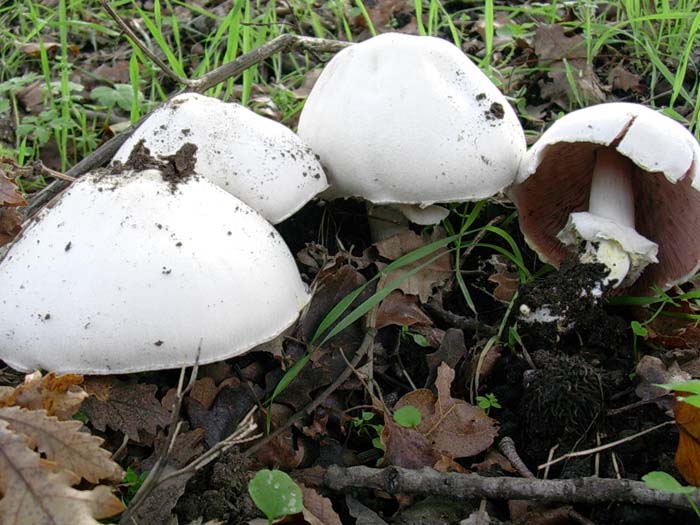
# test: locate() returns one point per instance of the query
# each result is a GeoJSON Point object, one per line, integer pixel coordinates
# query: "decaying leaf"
{"type": "Point", "coordinates": [63, 443]}
{"type": "Point", "coordinates": [318, 509]}
{"type": "Point", "coordinates": [10, 224]}
{"type": "Point", "coordinates": [402, 310]}
{"type": "Point", "coordinates": [688, 452]}
{"type": "Point", "coordinates": [35, 493]}
{"type": "Point", "coordinates": [406, 447]}
{"type": "Point", "coordinates": [572, 77]}
{"type": "Point", "coordinates": [453, 426]}
{"type": "Point", "coordinates": [619, 77]}
{"type": "Point", "coordinates": [128, 408]}
{"type": "Point", "coordinates": [423, 282]}
{"type": "Point", "coordinates": [9, 194]}
{"type": "Point", "coordinates": [60, 396]}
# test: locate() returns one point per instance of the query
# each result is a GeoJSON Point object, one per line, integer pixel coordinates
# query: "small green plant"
{"type": "Point", "coordinates": [487, 402]}
{"type": "Point", "coordinates": [275, 494]}
{"type": "Point", "coordinates": [691, 387]}
{"type": "Point", "coordinates": [364, 426]}
{"type": "Point", "coordinates": [132, 481]}
{"type": "Point", "coordinates": [666, 483]}
{"type": "Point", "coordinates": [407, 416]}
{"type": "Point", "coordinates": [419, 339]}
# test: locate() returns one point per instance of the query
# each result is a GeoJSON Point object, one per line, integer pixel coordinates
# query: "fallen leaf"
{"type": "Point", "coordinates": [362, 514]}
{"type": "Point", "coordinates": [51, 48]}
{"type": "Point", "coordinates": [63, 443]}
{"type": "Point", "coordinates": [131, 408]}
{"type": "Point", "coordinates": [688, 452]}
{"type": "Point", "coordinates": [204, 391]}
{"type": "Point", "coordinates": [424, 281]}
{"type": "Point", "coordinates": [621, 78]}
{"type": "Point", "coordinates": [406, 447]}
{"type": "Point", "coordinates": [507, 284]}
{"type": "Point", "coordinates": [60, 396]}
{"type": "Point", "coordinates": [281, 451]}
{"type": "Point", "coordinates": [10, 224]}
{"type": "Point", "coordinates": [401, 310]}
{"type": "Point", "coordinates": [651, 371]}
{"type": "Point", "coordinates": [451, 351]}
{"type": "Point", "coordinates": [318, 509]}
{"type": "Point", "coordinates": [9, 194]}
{"type": "Point", "coordinates": [558, 52]}
{"type": "Point", "coordinates": [34, 494]}
{"type": "Point", "coordinates": [453, 426]}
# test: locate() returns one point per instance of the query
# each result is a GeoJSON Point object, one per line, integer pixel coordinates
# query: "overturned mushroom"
{"type": "Point", "coordinates": [617, 184]}
{"type": "Point", "coordinates": [134, 272]}
{"type": "Point", "coordinates": [258, 160]}
{"type": "Point", "coordinates": [409, 121]}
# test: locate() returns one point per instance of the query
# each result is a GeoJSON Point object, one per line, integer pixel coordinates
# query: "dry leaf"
{"type": "Point", "coordinates": [34, 494]}
{"type": "Point", "coordinates": [63, 443]}
{"type": "Point", "coordinates": [9, 194]}
{"type": "Point", "coordinates": [621, 78]}
{"type": "Point", "coordinates": [453, 426]}
{"type": "Point", "coordinates": [406, 447]}
{"type": "Point", "coordinates": [10, 224]}
{"type": "Point", "coordinates": [129, 408]}
{"type": "Point", "coordinates": [553, 47]}
{"type": "Point", "coordinates": [318, 509]}
{"type": "Point", "coordinates": [60, 396]}
{"type": "Point", "coordinates": [423, 282]}
{"type": "Point", "coordinates": [402, 310]}
{"type": "Point", "coordinates": [688, 452]}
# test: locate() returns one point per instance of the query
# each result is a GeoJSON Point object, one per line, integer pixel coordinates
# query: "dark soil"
{"type": "Point", "coordinates": [175, 169]}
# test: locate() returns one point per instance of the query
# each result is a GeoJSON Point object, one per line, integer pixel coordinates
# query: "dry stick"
{"type": "Point", "coordinates": [603, 447]}
{"type": "Point", "coordinates": [426, 481]}
{"type": "Point", "coordinates": [103, 154]}
{"type": "Point", "coordinates": [507, 448]}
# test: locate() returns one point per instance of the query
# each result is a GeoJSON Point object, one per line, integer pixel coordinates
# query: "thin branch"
{"type": "Point", "coordinates": [507, 448]}
{"type": "Point", "coordinates": [607, 446]}
{"type": "Point", "coordinates": [426, 481]}
{"type": "Point", "coordinates": [143, 47]}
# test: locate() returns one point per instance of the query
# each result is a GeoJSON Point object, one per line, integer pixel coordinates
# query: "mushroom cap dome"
{"type": "Point", "coordinates": [129, 272]}
{"type": "Point", "coordinates": [258, 160]}
{"type": "Point", "coordinates": [555, 178]}
{"type": "Point", "coordinates": [411, 120]}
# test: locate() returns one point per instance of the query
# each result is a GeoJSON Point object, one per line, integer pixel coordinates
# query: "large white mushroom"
{"type": "Point", "coordinates": [411, 121]}
{"type": "Point", "coordinates": [617, 184]}
{"type": "Point", "coordinates": [258, 160]}
{"type": "Point", "coordinates": [132, 272]}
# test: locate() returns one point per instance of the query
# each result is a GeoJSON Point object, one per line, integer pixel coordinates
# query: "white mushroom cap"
{"type": "Point", "coordinates": [555, 178]}
{"type": "Point", "coordinates": [258, 160]}
{"type": "Point", "coordinates": [128, 273]}
{"type": "Point", "coordinates": [411, 120]}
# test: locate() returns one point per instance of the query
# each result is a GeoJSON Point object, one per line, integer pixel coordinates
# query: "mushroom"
{"type": "Point", "coordinates": [617, 184]}
{"type": "Point", "coordinates": [133, 272]}
{"type": "Point", "coordinates": [258, 160]}
{"type": "Point", "coordinates": [409, 121]}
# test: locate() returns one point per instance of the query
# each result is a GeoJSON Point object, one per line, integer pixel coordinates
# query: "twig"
{"type": "Point", "coordinates": [457, 321]}
{"type": "Point", "coordinates": [104, 153]}
{"type": "Point", "coordinates": [144, 48]}
{"type": "Point", "coordinates": [426, 481]}
{"type": "Point", "coordinates": [604, 447]}
{"type": "Point", "coordinates": [507, 448]}
{"type": "Point", "coordinates": [154, 476]}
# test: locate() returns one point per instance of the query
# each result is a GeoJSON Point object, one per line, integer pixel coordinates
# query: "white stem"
{"type": "Point", "coordinates": [612, 193]}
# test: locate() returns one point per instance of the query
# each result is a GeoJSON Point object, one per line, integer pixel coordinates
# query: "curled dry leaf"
{"type": "Point", "coordinates": [9, 194]}
{"type": "Point", "coordinates": [318, 509]}
{"type": "Point", "coordinates": [35, 492]}
{"type": "Point", "coordinates": [401, 310]}
{"type": "Point", "coordinates": [63, 443]}
{"type": "Point", "coordinates": [10, 224]}
{"type": "Point", "coordinates": [60, 396]}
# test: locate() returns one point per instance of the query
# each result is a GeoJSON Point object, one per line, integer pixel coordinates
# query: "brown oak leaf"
{"type": "Point", "coordinates": [688, 452]}
{"type": "Point", "coordinates": [128, 408]}
{"type": "Point", "coordinates": [60, 396]}
{"type": "Point", "coordinates": [37, 494]}
{"type": "Point", "coordinates": [63, 443]}
{"type": "Point", "coordinates": [9, 194]}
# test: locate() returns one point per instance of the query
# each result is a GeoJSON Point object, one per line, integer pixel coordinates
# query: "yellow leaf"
{"type": "Point", "coordinates": [60, 396]}
{"type": "Point", "coordinates": [35, 495]}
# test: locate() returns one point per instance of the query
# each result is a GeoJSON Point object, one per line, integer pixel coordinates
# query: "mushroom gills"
{"type": "Point", "coordinates": [608, 226]}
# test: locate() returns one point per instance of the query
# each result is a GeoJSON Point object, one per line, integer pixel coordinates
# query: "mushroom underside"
{"type": "Point", "coordinates": [666, 213]}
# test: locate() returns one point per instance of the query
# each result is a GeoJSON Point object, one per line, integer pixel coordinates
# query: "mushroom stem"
{"type": "Point", "coordinates": [611, 197]}
{"type": "Point", "coordinates": [612, 194]}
